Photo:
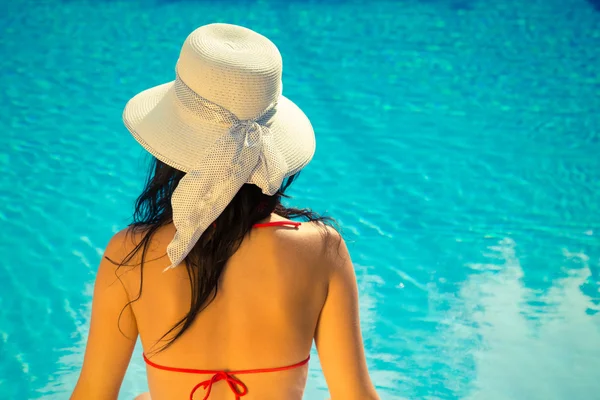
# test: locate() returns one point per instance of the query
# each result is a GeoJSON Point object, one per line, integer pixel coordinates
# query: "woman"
{"type": "Point", "coordinates": [225, 291]}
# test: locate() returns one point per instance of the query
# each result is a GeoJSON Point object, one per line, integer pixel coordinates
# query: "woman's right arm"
{"type": "Point", "coordinates": [338, 336]}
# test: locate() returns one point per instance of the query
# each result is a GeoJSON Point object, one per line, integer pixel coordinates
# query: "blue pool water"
{"type": "Point", "coordinates": [458, 146]}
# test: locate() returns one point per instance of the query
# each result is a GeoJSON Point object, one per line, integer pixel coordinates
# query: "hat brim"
{"type": "Point", "coordinates": [178, 137]}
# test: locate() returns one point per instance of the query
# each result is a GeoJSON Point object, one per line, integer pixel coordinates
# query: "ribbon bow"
{"type": "Point", "coordinates": [245, 154]}
{"type": "Point", "coordinates": [237, 387]}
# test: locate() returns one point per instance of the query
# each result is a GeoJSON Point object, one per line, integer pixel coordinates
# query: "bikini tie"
{"type": "Point", "coordinates": [237, 387]}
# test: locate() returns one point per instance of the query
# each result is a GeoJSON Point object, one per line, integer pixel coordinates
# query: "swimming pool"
{"type": "Point", "coordinates": [458, 146]}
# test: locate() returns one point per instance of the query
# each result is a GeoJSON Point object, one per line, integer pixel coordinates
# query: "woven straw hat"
{"type": "Point", "coordinates": [224, 122]}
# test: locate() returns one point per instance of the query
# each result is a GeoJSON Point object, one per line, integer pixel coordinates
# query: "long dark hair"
{"type": "Point", "coordinates": [206, 261]}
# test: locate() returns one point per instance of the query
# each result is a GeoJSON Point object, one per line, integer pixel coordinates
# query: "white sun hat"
{"type": "Point", "coordinates": [224, 122]}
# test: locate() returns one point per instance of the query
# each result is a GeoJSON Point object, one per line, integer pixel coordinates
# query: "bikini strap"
{"type": "Point", "coordinates": [238, 387]}
{"type": "Point", "coordinates": [293, 224]}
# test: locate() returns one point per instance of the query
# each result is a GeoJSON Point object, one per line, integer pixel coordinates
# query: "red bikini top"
{"type": "Point", "coordinates": [238, 387]}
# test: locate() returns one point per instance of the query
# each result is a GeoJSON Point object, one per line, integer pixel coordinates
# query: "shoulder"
{"type": "Point", "coordinates": [123, 252]}
{"type": "Point", "coordinates": [122, 243]}
{"type": "Point", "coordinates": [120, 258]}
{"type": "Point", "coordinates": [322, 236]}
{"type": "Point", "coordinates": [322, 243]}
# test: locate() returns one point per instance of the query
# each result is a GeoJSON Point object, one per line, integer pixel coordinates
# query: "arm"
{"type": "Point", "coordinates": [108, 351]}
{"type": "Point", "coordinates": [338, 336]}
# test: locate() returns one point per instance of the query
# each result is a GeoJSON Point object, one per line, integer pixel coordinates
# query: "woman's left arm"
{"type": "Point", "coordinates": [113, 331]}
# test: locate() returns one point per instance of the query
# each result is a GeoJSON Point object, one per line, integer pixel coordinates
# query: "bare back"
{"type": "Point", "coordinates": [264, 315]}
